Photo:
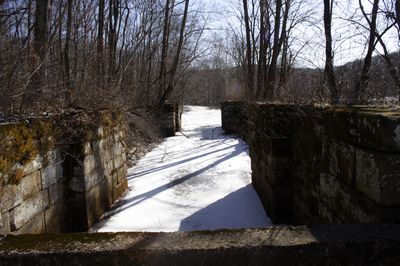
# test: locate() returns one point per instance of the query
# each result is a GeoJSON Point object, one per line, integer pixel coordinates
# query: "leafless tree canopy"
{"type": "Point", "coordinates": [58, 54]}
{"type": "Point", "coordinates": [272, 35]}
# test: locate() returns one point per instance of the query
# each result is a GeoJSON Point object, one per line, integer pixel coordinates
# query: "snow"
{"type": "Point", "coordinates": [197, 181]}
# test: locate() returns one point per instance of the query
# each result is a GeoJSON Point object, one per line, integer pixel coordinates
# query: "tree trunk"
{"type": "Point", "coordinates": [176, 62]}
{"type": "Point", "coordinates": [67, 75]}
{"type": "Point", "coordinates": [363, 83]}
{"type": "Point", "coordinates": [112, 41]}
{"type": "Point", "coordinates": [276, 49]}
{"type": "Point", "coordinates": [250, 70]}
{"type": "Point", "coordinates": [39, 46]}
{"type": "Point", "coordinates": [393, 71]}
{"type": "Point", "coordinates": [100, 40]}
{"type": "Point", "coordinates": [261, 58]}
{"type": "Point", "coordinates": [164, 51]}
{"type": "Point", "coordinates": [329, 72]}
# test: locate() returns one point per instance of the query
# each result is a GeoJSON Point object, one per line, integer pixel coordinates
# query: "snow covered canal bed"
{"type": "Point", "coordinates": [200, 181]}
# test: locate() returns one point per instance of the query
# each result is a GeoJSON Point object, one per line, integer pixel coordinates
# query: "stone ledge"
{"type": "Point", "coordinates": [369, 244]}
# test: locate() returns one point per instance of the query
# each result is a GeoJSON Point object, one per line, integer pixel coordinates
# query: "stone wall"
{"type": "Point", "coordinates": [314, 165]}
{"type": "Point", "coordinates": [234, 116]}
{"type": "Point", "coordinates": [171, 118]}
{"type": "Point", "coordinates": [96, 176]}
{"type": "Point", "coordinates": [278, 245]}
{"type": "Point", "coordinates": [61, 173]}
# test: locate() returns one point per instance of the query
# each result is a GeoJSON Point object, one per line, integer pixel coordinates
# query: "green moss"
{"type": "Point", "coordinates": [22, 142]}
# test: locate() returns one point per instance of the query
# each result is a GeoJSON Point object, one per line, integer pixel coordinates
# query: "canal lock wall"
{"type": "Point", "coordinates": [316, 164]}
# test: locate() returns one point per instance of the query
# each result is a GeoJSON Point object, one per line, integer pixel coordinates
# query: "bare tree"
{"type": "Point", "coordinates": [39, 45]}
{"type": "Point", "coordinates": [249, 56]}
{"type": "Point", "coordinates": [363, 82]}
{"type": "Point", "coordinates": [164, 52]}
{"type": "Point", "coordinates": [100, 39]}
{"type": "Point", "coordinates": [329, 72]}
{"type": "Point", "coordinates": [175, 65]}
{"type": "Point", "coordinates": [68, 83]}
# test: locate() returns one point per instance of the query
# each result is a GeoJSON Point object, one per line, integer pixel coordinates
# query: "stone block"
{"type": "Point", "coordinates": [338, 159]}
{"type": "Point", "coordinates": [28, 209]}
{"type": "Point", "coordinates": [56, 192]}
{"type": "Point", "coordinates": [36, 225]}
{"type": "Point", "coordinates": [378, 176]}
{"type": "Point", "coordinates": [94, 179]}
{"type": "Point", "coordinates": [90, 163]}
{"type": "Point", "coordinates": [370, 127]}
{"type": "Point", "coordinates": [234, 116]}
{"type": "Point", "coordinates": [5, 223]}
{"type": "Point", "coordinates": [97, 202]}
{"type": "Point", "coordinates": [55, 219]}
{"type": "Point", "coordinates": [118, 162]}
{"type": "Point", "coordinates": [10, 198]}
{"type": "Point", "coordinates": [30, 185]}
{"type": "Point", "coordinates": [103, 144]}
{"type": "Point", "coordinates": [117, 149]}
{"type": "Point", "coordinates": [53, 156]}
{"type": "Point", "coordinates": [108, 167]}
{"type": "Point", "coordinates": [278, 162]}
{"type": "Point", "coordinates": [106, 156]}
{"type": "Point", "coordinates": [259, 148]}
{"type": "Point", "coordinates": [110, 191]}
{"type": "Point", "coordinates": [87, 148]}
{"type": "Point", "coordinates": [51, 174]}
{"type": "Point", "coordinates": [280, 178]}
{"type": "Point", "coordinates": [280, 147]}
{"type": "Point", "coordinates": [33, 165]}
{"type": "Point", "coordinates": [339, 198]}
{"type": "Point", "coordinates": [123, 157]}
{"type": "Point", "coordinates": [13, 194]}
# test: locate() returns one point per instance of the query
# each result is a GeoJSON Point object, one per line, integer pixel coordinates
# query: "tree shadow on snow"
{"type": "Point", "coordinates": [130, 202]}
{"type": "Point", "coordinates": [164, 167]}
{"type": "Point", "coordinates": [234, 211]}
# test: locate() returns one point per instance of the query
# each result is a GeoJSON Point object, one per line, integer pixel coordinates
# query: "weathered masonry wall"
{"type": "Point", "coordinates": [171, 119]}
{"type": "Point", "coordinates": [314, 165]}
{"type": "Point", "coordinates": [60, 174]}
{"type": "Point", "coordinates": [235, 117]}
{"type": "Point", "coordinates": [318, 245]}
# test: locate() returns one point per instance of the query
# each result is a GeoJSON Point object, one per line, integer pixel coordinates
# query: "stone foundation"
{"type": "Point", "coordinates": [171, 119]}
{"type": "Point", "coordinates": [234, 118]}
{"type": "Point", "coordinates": [315, 165]}
{"type": "Point", "coordinates": [60, 174]}
{"type": "Point", "coordinates": [319, 245]}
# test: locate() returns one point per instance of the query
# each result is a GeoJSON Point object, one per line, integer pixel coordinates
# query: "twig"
{"type": "Point", "coordinates": [184, 134]}
{"type": "Point", "coordinates": [212, 136]}
{"type": "Point", "coordinates": [165, 153]}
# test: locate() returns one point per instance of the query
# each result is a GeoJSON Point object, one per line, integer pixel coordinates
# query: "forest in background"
{"type": "Point", "coordinates": [58, 54]}
{"type": "Point", "coordinates": [91, 54]}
